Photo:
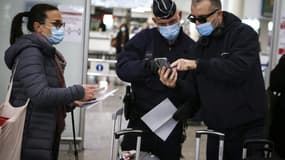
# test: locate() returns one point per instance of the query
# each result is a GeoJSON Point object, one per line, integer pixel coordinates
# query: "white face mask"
{"type": "Point", "coordinates": [123, 29]}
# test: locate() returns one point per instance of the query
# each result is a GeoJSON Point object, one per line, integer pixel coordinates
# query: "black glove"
{"type": "Point", "coordinates": [70, 107]}
{"type": "Point", "coordinates": [152, 66]}
{"type": "Point", "coordinates": [186, 111]}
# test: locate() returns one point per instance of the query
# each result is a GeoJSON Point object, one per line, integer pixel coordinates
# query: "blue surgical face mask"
{"type": "Point", "coordinates": [170, 32]}
{"type": "Point", "coordinates": [205, 29]}
{"type": "Point", "coordinates": [56, 36]}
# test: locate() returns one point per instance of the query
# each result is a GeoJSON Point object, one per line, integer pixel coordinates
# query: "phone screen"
{"type": "Point", "coordinates": [162, 62]}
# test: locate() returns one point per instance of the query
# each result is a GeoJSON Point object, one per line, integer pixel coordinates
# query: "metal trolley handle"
{"type": "Point", "coordinates": [221, 137]}
{"type": "Point", "coordinates": [268, 147]}
{"type": "Point", "coordinates": [137, 133]}
{"type": "Point", "coordinates": [199, 133]}
{"type": "Point", "coordinates": [127, 131]}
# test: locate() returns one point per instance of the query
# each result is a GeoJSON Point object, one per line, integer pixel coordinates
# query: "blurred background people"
{"type": "Point", "coordinates": [122, 38]}
{"type": "Point", "coordinates": [101, 26]}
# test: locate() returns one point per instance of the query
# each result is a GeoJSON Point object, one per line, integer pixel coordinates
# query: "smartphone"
{"type": "Point", "coordinates": [162, 62]}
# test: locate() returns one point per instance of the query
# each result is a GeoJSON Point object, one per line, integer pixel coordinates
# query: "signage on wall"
{"type": "Point", "coordinates": [99, 67]}
{"type": "Point", "coordinates": [73, 18]}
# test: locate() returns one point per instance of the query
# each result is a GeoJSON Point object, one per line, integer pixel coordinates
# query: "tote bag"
{"type": "Point", "coordinates": [12, 121]}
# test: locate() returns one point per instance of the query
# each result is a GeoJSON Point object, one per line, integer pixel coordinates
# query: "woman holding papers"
{"type": "Point", "coordinates": [38, 75]}
{"type": "Point", "coordinates": [154, 103]}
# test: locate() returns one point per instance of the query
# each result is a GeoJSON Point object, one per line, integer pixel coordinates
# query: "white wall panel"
{"type": "Point", "coordinates": [252, 8]}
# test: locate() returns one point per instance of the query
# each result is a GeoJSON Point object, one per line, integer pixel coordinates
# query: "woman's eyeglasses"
{"type": "Point", "coordinates": [200, 19]}
{"type": "Point", "coordinates": [57, 23]}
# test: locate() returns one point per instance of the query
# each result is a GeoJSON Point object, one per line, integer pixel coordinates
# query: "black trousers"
{"type": "Point", "coordinates": [234, 139]}
{"type": "Point", "coordinates": [277, 127]}
{"type": "Point", "coordinates": [164, 150]}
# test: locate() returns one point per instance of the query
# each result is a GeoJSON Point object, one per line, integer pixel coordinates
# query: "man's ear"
{"type": "Point", "coordinates": [154, 20]}
{"type": "Point", "coordinates": [180, 15]}
{"type": "Point", "coordinates": [37, 27]}
{"type": "Point", "coordinates": [220, 16]}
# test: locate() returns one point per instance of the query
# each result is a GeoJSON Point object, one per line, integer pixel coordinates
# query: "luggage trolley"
{"type": "Point", "coordinates": [117, 132]}
{"type": "Point", "coordinates": [127, 131]}
{"type": "Point", "coordinates": [259, 149]}
{"type": "Point", "coordinates": [198, 135]}
{"type": "Point", "coordinates": [117, 124]}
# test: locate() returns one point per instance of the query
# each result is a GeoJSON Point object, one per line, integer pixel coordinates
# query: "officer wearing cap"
{"type": "Point", "coordinates": [135, 65]}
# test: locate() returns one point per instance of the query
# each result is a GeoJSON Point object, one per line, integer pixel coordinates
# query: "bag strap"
{"type": "Point", "coordinates": [10, 86]}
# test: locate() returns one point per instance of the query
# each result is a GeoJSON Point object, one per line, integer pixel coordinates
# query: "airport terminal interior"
{"type": "Point", "coordinates": [90, 27]}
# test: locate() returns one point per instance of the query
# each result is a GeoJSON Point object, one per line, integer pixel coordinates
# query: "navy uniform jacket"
{"type": "Point", "coordinates": [148, 89]}
{"type": "Point", "coordinates": [229, 76]}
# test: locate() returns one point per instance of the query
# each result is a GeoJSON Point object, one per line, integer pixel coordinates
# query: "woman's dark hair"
{"type": "Point", "coordinates": [36, 14]}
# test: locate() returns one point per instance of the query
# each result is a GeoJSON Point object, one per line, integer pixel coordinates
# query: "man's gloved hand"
{"type": "Point", "coordinates": [152, 66]}
{"type": "Point", "coordinates": [186, 111]}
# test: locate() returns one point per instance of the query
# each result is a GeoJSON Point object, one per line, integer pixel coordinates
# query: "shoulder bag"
{"type": "Point", "coordinates": [12, 121]}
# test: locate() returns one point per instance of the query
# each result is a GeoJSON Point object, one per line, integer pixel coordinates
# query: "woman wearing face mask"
{"type": "Point", "coordinates": [122, 38]}
{"type": "Point", "coordinates": [38, 68]}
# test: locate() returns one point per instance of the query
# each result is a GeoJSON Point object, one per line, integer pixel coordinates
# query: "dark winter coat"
{"type": "Point", "coordinates": [277, 128]}
{"type": "Point", "coordinates": [148, 89]}
{"type": "Point", "coordinates": [36, 78]}
{"type": "Point", "coordinates": [229, 75]}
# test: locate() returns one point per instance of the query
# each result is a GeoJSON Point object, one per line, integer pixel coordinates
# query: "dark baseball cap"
{"type": "Point", "coordinates": [163, 9]}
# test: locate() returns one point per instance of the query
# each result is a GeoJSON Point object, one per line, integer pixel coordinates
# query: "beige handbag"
{"type": "Point", "coordinates": [11, 127]}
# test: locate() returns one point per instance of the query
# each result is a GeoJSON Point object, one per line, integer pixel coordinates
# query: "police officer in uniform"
{"type": "Point", "coordinates": [135, 65]}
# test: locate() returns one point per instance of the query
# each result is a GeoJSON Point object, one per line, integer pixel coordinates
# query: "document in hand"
{"type": "Point", "coordinates": [160, 120]}
{"type": "Point", "coordinates": [102, 96]}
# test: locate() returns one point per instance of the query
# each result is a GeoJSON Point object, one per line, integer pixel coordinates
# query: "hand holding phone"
{"type": "Point", "coordinates": [155, 64]}
{"type": "Point", "coordinates": [162, 62]}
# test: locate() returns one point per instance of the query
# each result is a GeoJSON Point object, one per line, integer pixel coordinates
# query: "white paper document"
{"type": "Point", "coordinates": [160, 120]}
{"type": "Point", "coordinates": [100, 98]}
